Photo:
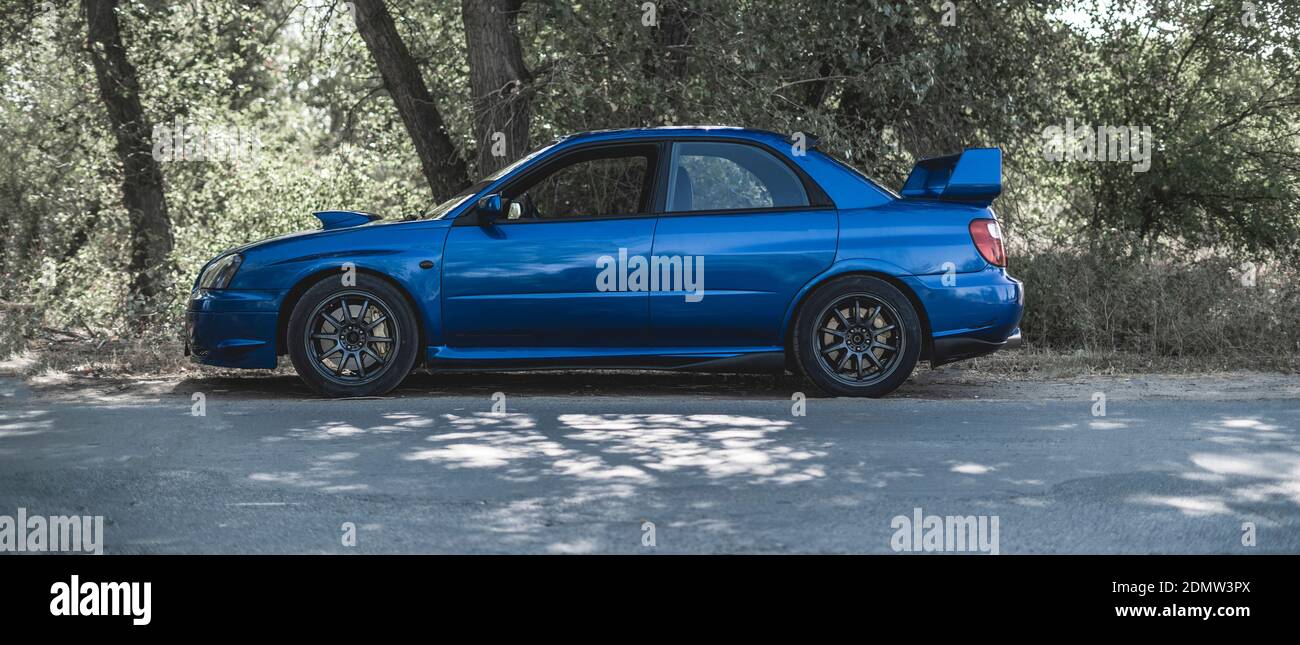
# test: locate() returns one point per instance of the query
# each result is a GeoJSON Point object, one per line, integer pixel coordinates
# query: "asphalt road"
{"type": "Point", "coordinates": [580, 463]}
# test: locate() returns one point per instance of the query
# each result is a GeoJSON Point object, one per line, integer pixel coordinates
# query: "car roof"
{"type": "Point", "coordinates": [674, 132]}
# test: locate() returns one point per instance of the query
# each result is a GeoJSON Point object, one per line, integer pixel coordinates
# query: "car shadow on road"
{"type": "Point", "coordinates": [535, 383]}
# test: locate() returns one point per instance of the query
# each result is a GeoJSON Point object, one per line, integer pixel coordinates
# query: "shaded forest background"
{"type": "Point", "coordinates": [389, 106]}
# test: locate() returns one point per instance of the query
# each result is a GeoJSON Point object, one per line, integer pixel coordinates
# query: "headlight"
{"type": "Point", "coordinates": [219, 273]}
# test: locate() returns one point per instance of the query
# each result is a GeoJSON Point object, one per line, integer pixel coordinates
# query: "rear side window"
{"type": "Point", "coordinates": [709, 176]}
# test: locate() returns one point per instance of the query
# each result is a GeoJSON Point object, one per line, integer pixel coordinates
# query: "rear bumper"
{"type": "Point", "coordinates": [1013, 341]}
{"type": "Point", "coordinates": [959, 348]}
{"type": "Point", "coordinates": [970, 314]}
{"type": "Point", "coordinates": [232, 328]}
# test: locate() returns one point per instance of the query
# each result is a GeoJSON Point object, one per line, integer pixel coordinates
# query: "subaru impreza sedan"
{"type": "Point", "coordinates": [702, 248]}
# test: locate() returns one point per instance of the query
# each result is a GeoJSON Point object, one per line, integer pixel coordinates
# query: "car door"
{"type": "Point", "coordinates": [760, 228]}
{"type": "Point", "coordinates": [530, 279]}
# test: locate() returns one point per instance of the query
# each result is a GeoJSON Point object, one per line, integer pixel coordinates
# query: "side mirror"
{"type": "Point", "coordinates": [489, 208]}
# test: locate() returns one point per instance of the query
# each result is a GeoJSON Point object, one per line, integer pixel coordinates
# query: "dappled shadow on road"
{"type": "Point", "coordinates": [634, 448]}
{"type": "Point", "coordinates": [1255, 474]}
{"type": "Point", "coordinates": [572, 469]}
{"type": "Point", "coordinates": [554, 470]}
{"type": "Point", "coordinates": [23, 423]}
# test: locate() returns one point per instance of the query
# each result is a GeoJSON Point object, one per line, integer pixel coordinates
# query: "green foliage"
{"type": "Point", "coordinates": [1217, 83]}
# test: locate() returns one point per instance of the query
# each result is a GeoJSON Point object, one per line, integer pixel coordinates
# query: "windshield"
{"type": "Point", "coordinates": [452, 204]}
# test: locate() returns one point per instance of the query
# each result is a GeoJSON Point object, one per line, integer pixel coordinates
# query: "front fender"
{"type": "Point", "coordinates": [395, 252]}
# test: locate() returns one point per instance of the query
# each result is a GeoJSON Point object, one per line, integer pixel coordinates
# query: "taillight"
{"type": "Point", "coordinates": [988, 239]}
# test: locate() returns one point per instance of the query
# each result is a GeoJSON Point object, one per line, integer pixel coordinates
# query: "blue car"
{"type": "Point", "coordinates": [703, 248]}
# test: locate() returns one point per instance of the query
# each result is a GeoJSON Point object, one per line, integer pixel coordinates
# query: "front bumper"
{"type": "Point", "coordinates": [232, 328]}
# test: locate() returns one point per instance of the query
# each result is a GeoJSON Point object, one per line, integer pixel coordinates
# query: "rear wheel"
{"type": "Point", "coordinates": [358, 340]}
{"type": "Point", "coordinates": [857, 336]}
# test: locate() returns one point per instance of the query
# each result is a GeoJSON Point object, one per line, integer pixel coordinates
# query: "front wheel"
{"type": "Point", "coordinates": [857, 336]}
{"type": "Point", "coordinates": [352, 340]}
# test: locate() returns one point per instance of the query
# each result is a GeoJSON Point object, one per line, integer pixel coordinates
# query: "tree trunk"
{"type": "Point", "coordinates": [499, 81]}
{"type": "Point", "coordinates": [142, 185]}
{"type": "Point", "coordinates": [665, 61]}
{"type": "Point", "coordinates": [441, 162]}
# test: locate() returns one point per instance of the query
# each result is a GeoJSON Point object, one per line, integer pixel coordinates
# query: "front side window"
{"type": "Point", "coordinates": [591, 184]}
{"type": "Point", "coordinates": [708, 176]}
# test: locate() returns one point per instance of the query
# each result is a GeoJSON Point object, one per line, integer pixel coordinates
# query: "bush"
{"type": "Point", "coordinates": [1158, 304]}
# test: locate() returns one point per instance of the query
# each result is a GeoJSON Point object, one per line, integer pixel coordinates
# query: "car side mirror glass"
{"type": "Point", "coordinates": [489, 208]}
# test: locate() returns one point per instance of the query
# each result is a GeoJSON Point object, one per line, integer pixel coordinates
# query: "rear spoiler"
{"type": "Point", "coordinates": [973, 177]}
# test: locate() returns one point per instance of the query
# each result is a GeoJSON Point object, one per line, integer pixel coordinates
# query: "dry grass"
{"type": "Point", "coordinates": [110, 358]}
{"type": "Point", "coordinates": [1045, 363]}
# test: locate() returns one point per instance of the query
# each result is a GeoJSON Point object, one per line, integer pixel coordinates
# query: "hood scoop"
{"type": "Point", "coordinates": [331, 220]}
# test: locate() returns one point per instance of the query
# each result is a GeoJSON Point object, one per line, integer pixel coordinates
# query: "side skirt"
{"type": "Point", "coordinates": [767, 360]}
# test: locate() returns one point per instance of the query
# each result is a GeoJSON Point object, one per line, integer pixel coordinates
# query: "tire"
{"type": "Point", "coordinates": [376, 345]}
{"type": "Point", "coordinates": [880, 337]}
